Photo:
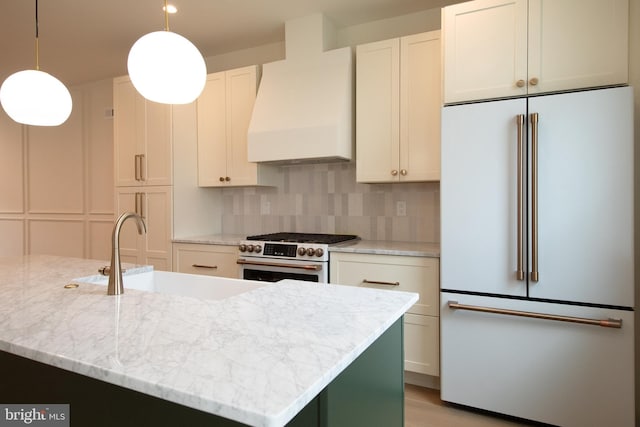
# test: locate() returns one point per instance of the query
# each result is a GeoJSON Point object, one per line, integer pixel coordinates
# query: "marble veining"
{"type": "Point", "coordinates": [257, 357]}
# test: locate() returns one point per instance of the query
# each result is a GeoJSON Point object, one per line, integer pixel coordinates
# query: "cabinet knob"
{"type": "Point", "coordinates": [533, 81]}
{"type": "Point", "coordinates": [520, 83]}
{"type": "Point", "coordinates": [222, 179]}
{"type": "Point", "coordinates": [226, 178]}
{"type": "Point", "coordinates": [403, 172]}
{"type": "Point", "coordinates": [394, 172]}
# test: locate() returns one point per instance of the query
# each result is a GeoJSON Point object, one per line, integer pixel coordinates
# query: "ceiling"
{"type": "Point", "coordinates": [89, 40]}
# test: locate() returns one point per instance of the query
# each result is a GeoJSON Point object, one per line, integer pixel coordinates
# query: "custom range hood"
{"type": "Point", "coordinates": [304, 107]}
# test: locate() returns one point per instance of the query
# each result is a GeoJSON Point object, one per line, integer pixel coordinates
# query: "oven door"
{"type": "Point", "coordinates": [274, 269]}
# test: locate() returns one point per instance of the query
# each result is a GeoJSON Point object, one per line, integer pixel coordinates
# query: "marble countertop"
{"type": "Point", "coordinates": [379, 247]}
{"type": "Point", "coordinates": [256, 358]}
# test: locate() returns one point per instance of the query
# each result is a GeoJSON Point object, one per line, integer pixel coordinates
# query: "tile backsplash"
{"type": "Point", "coordinates": [325, 198]}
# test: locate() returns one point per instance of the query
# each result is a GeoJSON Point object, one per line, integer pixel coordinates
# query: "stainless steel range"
{"type": "Point", "coordinates": [276, 256]}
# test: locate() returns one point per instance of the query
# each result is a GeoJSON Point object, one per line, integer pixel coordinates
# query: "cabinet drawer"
{"type": "Point", "coordinates": [210, 260]}
{"type": "Point", "coordinates": [421, 344]}
{"type": "Point", "coordinates": [401, 273]}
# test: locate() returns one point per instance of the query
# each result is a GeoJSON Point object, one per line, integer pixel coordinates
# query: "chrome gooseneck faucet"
{"type": "Point", "coordinates": [115, 270]}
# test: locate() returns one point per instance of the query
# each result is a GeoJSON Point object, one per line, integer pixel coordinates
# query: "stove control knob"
{"type": "Point", "coordinates": [258, 249]}
{"type": "Point", "coordinates": [250, 248]}
{"type": "Point", "coordinates": [310, 251]}
{"type": "Point", "coordinates": [302, 251]}
{"type": "Point", "coordinates": [319, 252]}
{"type": "Point", "coordinates": [243, 248]}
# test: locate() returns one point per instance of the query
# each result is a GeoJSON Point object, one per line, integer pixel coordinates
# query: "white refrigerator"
{"type": "Point", "coordinates": [537, 257]}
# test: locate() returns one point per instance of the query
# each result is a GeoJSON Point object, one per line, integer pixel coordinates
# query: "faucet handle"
{"type": "Point", "coordinates": [104, 271]}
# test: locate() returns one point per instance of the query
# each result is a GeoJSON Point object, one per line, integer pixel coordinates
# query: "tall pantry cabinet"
{"type": "Point", "coordinates": [143, 174]}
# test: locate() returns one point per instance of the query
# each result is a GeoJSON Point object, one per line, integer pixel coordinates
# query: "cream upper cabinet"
{"type": "Point", "coordinates": [142, 138]}
{"type": "Point", "coordinates": [398, 100]}
{"type": "Point", "coordinates": [224, 111]}
{"type": "Point", "coordinates": [506, 48]}
{"type": "Point", "coordinates": [403, 273]}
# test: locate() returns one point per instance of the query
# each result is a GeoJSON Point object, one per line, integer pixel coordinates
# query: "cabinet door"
{"type": "Point", "coordinates": [209, 260]}
{"type": "Point", "coordinates": [129, 113]}
{"type": "Point", "coordinates": [157, 213]}
{"type": "Point", "coordinates": [154, 205]}
{"type": "Point", "coordinates": [485, 49]}
{"type": "Point", "coordinates": [420, 104]}
{"type": "Point", "coordinates": [128, 200]}
{"type": "Point", "coordinates": [422, 344]}
{"type": "Point", "coordinates": [212, 134]}
{"type": "Point", "coordinates": [241, 95]}
{"type": "Point", "coordinates": [378, 111]}
{"type": "Point", "coordinates": [157, 164]}
{"type": "Point", "coordinates": [577, 44]}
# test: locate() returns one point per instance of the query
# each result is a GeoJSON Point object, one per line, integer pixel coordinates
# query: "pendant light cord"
{"type": "Point", "coordinates": [166, 16]}
{"type": "Point", "coordinates": [37, 44]}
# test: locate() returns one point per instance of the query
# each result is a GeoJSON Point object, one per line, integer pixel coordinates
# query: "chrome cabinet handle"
{"type": "Point", "coordinates": [535, 274]}
{"type": "Point", "coordinates": [520, 215]}
{"type": "Point", "coordinates": [204, 266]}
{"type": "Point", "coordinates": [605, 323]}
{"type": "Point", "coordinates": [376, 282]}
{"type": "Point", "coordinates": [137, 209]}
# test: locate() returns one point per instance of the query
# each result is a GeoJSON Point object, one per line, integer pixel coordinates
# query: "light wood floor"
{"type": "Point", "coordinates": [423, 408]}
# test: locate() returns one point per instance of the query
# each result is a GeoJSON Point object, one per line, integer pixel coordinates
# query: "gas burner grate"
{"type": "Point", "coordinates": [328, 239]}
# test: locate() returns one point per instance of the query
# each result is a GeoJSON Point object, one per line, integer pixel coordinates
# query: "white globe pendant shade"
{"type": "Point", "coordinates": [167, 68]}
{"type": "Point", "coordinates": [36, 98]}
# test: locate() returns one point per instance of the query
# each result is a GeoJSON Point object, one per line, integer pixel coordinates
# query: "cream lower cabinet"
{"type": "Point", "coordinates": [504, 48]}
{"type": "Point", "coordinates": [398, 101]}
{"type": "Point", "coordinates": [154, 204]}
{"type": "Point", "coordinates": [403, 273]}
{"type": "Point", "coordinates": [209, 260]}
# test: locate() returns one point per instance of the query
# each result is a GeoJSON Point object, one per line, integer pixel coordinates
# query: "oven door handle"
{"type": "Point", "coordinates": [314, 267]}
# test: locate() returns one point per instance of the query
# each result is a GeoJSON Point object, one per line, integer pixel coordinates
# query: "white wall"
{"type": "Point", "coordinates": [56, 195]}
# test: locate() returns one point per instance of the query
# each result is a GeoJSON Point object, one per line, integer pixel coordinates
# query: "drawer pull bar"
{"type": "Point", "coordinates": [605, 323]}
{"type": "Point", "coordinates": [376, 282]}
{"type": "Point", "coordinates": [267, 264]}
{"type": "Point", "coordinates": [204, 266]}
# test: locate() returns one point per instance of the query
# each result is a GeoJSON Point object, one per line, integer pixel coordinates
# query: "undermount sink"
{"type": "Point", "coordinates": [190, 285]}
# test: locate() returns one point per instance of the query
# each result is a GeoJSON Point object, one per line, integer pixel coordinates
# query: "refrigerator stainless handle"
{"type": "Point", "coordinates": [378, 282]}
{"type": "Point", "coordinates": [535, 274]}
{"type": "Point", "coordinates": [520, 214]}
{"type": "Point", "coordinates": [605, 323]}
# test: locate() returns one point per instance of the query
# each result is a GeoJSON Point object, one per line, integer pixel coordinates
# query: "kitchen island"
{"type": "Point", "coordinates": [289, 353]}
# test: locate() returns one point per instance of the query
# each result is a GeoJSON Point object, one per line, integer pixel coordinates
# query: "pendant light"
{"type": "Point", "coordinates": [33, 97]}
{"type": "Point", "coordinates": [167, 68]}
